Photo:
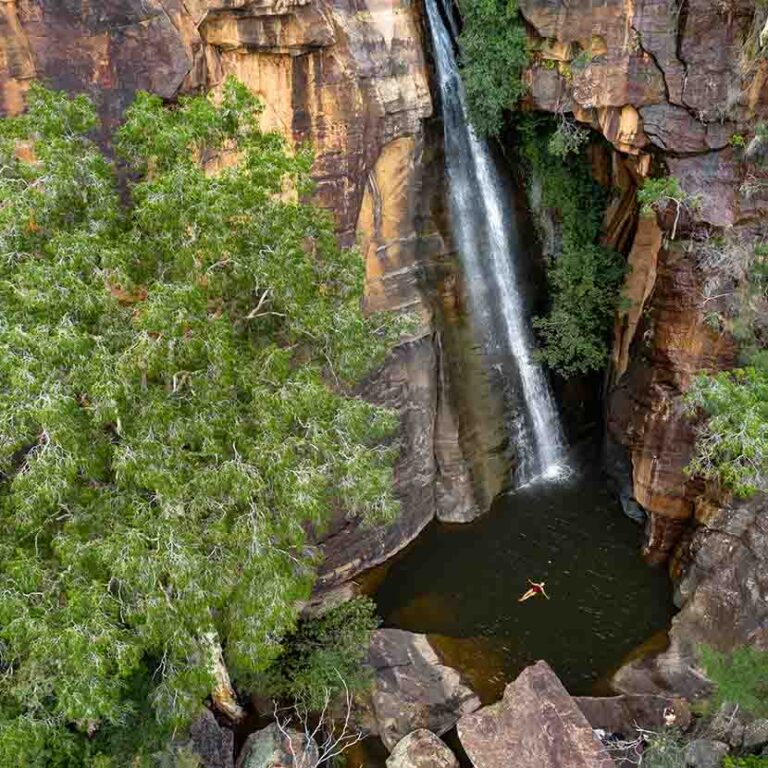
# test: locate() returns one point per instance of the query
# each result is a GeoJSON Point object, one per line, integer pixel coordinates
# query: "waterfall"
{"type": "Point", "coordinates": [488, 246]}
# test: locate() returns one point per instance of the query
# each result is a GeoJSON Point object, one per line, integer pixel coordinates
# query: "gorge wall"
{"type": "Point", "coordinates": [678, 87]}
{"type": "Point", "coordinates": [668, 83]}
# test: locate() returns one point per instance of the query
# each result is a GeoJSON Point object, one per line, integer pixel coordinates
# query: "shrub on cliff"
{"type": "Point", "coordinates": [173, 416]}
{"type": "Point", "coordinates": [732, 442]}
{"type": "Point", "coordinates": [494, 53]}
{"type": "Point", "coordinates": [584, 277]}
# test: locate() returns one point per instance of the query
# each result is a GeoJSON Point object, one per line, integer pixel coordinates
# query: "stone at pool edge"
{"type": "Point", "coordinates": [269, 748]}
{"type": "Point", "coordinates": [625, 713]}
{"type": "Point", "coordinates": [536, 725]}
{"type": "Point", "coordinates": [412, 689]}
{"type": "Point", "coordinates": [421, 749]}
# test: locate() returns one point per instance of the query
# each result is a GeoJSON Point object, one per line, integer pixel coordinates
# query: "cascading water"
{"type": "Point", "coordinates": [487, 243]}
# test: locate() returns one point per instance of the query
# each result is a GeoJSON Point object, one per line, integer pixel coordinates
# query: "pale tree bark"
{"type": "Point", "coordinates": [223, 694]}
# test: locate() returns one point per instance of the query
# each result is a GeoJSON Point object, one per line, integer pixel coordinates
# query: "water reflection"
{"type": "Point", "coordinates": [462, 584]}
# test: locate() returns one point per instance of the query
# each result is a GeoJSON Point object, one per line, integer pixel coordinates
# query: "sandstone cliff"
{"type": "Point", "coordinates": [673, 85]}
{"type": "Point", "coordinates": [668, 83]}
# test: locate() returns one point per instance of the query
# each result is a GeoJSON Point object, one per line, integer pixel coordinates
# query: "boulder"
{"type": "Point", "coordinates": [722, 598]}
{"type": "Point", "coordinates": [421, 749]}
{"type": "Point", "coordinates": [755, 736]}
{"type": "Point", "coordinates": [704, 753]}
{"type": "Point", "coordinates": [213, 745]}
{"type": "Point", "coordinates": [728, 725]}
{"type": "Point", "coordinates": [271, 748]}
{"type": "Point", "coordinates": [536, 725]}
{"type": "Point", "coordinates": [626, 714]}
{"type": "Point", "coordinates": [412, 689]}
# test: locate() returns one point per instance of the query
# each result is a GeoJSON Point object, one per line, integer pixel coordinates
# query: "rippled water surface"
{"type": "Point", "coordinates": [460, 584]}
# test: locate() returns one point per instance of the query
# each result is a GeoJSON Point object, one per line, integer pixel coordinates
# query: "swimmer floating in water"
{"type": "Point", "coordinates": [537, 588]}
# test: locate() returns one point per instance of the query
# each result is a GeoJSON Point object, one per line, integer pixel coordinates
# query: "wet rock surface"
{"type": "Point", "coordinates": [536, 725]}
{"type": "Point", "coordinates": [412, 689]}
{"type": "Point", "coordinates": [421, 749]}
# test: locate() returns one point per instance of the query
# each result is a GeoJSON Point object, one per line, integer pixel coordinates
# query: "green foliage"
{"type": "Point", "coordinates": [324, 654]}
{"type": "Point", "coordinates": [585, 278]}
{"type": "Point", "coordinates": [740, 677]}
{"type": "Point", "coordinates": [172, 416]}
{"type": "Point", "coordinates": [748, 761]}
{"type": "Point", "coordinates": [665, 749]}
{"type": "Point", "coordinates": [657, 192]}
{"type": "Point", "coordinates": [494, 53]}
{"type": "Point", "coordinates": [732, 445]}
{"type": "Point", "coordinates": [581, 60]}
{"type": "Point", "coordinates": [567, 139]}
{"type": "Point", "coordinates": [738, 140]}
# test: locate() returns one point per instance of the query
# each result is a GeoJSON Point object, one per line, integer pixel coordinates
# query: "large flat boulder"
{"type": "Point", "coordinates": [421, 749]}
{"type": "Point", "coordinates": [536, 725]}
{"type": "Point", "coordinates": [412, 689]}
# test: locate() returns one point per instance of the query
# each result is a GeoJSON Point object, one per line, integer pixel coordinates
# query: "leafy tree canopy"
{"type": "Point", "coordinates": [732, 444]}
{"type": "Point", "coordinates": [173, 415]}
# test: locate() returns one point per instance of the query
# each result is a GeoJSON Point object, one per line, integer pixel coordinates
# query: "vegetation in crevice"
{"type": "Point", "coordinates": [739, 677]}
{"type": "Point", "coordinates": [657, 194]}
{"type": "Point", "coordinates": [174, 415]}
{"type": "Point", "coordinates": [584, 277]}
{"type": "Point", "coordinates": [494, 53]}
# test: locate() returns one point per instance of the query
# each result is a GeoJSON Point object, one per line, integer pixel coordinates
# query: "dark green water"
{"type": "Point", "coordinates": [461, 585]}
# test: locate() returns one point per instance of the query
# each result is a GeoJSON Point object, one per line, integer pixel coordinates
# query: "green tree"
{"type": "Point", "coordinates": [584, 277]}
{"type": "Point", "coordinates": [494, 53]}
{"type": "Point", "coordinates": [732, 443]}
{"type": "Point", "coordinates": [174, 415]}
